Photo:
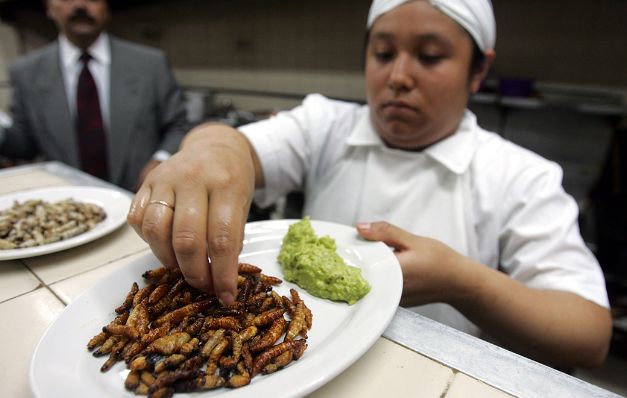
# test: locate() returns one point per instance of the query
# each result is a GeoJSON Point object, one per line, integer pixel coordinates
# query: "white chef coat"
{"type": "Point", "coordinates": [485, 197]}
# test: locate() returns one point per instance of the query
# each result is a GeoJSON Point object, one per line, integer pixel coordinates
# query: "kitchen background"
{"type": "Point", "coordinates": [558, 87]}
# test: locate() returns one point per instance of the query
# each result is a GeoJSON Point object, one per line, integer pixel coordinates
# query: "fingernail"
{"type": "Point", "coordinates": [225, 298]}
{"type": "Point", "coordinates": [364, 226]}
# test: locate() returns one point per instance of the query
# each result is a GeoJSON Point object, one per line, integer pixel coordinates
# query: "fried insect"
{"type": "Point", "coordinates": [169, 362]}
{"type": "Point", "coordinates": [308, 315]}
{"type": "Point", "coordinates": [241, 378]}
{"type": "Point", "coordinates": [132, 380]}
{"type": "Point", "coordinates": [170, 344]}
{"type": "Point", "coordinates": [300, 314]}
{"type": "Point", "coordinates": [271, 336]}
{"type": "Point", "coordinates": [122, 330]}
{"type": "Point", "coordinates": [218, 350]}
{"type": "Point", "coordinates": [268, 317]}
{"type": "Point", "coordinates": [189, 347]}
{"type": "Point", "coordinates": [245, 268]}
{"type": "Point", "coordinates": [129, 299]}
{"type": "Point", "coordinates": [159, 292]}
{"type": "Point", "coordinates": [270, 280]}
{"type": "Point", "coordinates": [264, 358]}
{"type": "Point", "coordinates": [155, 275]}
{"type": "Point", "coordinates": [175, 338]}
{"type": "Point", "coordinates": [236, 349]}
{"type": "Point", "coordinates": [139, 363]}
{"type": "Point", "coordinates": [142, 294]}
{"type": "Point", "coordinates": [106, 347]}
{"type": "Point", "coordinates": [131, 350]}
{"type": "Point", "coordinates": [211, 342]}
{"type": "Point", "coordinates": [177, 315]}
{"type": "Point", "coordinates": [97, 340]}
{"type": "Point", "coordinates": [37, 222]}
{"type": "Point", "coordinates": [278, 362]}
{"type": "Point", "coordinates": [228, 322]}
{"type": "Point", "coordinates": [115, 353]}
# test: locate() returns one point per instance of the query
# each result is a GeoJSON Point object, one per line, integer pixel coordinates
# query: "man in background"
{"type": "Point", "coordinates": [95, 102]}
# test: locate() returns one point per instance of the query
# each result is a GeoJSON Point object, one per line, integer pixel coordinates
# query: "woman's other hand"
{"type": "Point", "coordinates": [555, 327]}
{"type": "Point", "coordinates": [428, 265]}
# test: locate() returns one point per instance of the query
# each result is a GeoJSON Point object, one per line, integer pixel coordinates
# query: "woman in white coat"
{"type": "Point", "coordinates": [486, 236]}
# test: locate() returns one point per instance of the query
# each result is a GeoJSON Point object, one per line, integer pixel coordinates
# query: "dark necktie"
{"type": "Point", "coordinates": [92, 142]}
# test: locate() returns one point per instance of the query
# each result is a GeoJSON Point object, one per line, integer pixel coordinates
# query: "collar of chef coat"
{"type": "Point", "coordinates": [454, 152]}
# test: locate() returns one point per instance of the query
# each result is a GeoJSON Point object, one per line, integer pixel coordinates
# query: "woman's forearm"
{"type": "Point", "coordinates": [555, 327]}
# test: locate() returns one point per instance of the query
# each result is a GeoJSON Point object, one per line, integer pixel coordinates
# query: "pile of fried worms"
{"type": "Point", "coordinates": [37, 222]}
{"type": "Point", "coordinates": [176, 338]}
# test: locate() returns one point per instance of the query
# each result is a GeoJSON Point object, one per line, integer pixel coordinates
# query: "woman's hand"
{"type": "Point", "coordinates": [194, 206]}
{"type": "Point", "coordinates": [428, 265]}
{"type": "Point", "coordinates": [556, 327]}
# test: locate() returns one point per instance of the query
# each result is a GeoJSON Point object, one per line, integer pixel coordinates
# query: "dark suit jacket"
{"type": "Point", "coordinates": [147, 112]}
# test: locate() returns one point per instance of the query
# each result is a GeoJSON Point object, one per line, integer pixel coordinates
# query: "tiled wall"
{"type": "Point", "coordinates": [251, 34]}
{"type": "Point", "coordinates": [345, 85]}
{"type": "Point", "coordinates": [563, 40]}
{"type": "Point", "coordinates": [572, 41]}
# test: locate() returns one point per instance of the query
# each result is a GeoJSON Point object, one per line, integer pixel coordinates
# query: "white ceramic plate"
{"type": "Point", "coordinates": [62, 366]}
{"type": "Point", "coordinates": [115, 203]}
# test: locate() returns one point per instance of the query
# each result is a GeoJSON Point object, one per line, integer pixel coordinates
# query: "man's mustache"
{"type": "Point", "coordinates": [80, 14]}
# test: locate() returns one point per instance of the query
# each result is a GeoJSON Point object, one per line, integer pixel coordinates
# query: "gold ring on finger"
{"type": "Point", "coordinates": [161, 202]}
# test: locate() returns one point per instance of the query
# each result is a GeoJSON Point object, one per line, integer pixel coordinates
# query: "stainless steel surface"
{"type": "Point", "coordinates": [72, 175]}
{"type": "Point", "coordinates": [493, 365]}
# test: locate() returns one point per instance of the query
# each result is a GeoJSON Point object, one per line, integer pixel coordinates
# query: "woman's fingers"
{"type": "Point", "coordinates": [156, 226]}
{"type": "Point", "coordinates": [225, 235]}
{"type": "Point", "coordinates": [385, 232]}
{"type": "Point", "coordinates": [189, 236]}
{"type": "Point", "coordinates": [135, 216]}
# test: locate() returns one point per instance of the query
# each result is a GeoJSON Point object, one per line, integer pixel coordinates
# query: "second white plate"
{"type": "Point", "coordinates": [115, 203]}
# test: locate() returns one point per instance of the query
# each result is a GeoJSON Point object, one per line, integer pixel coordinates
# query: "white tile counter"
{"type": "Point", "coordinates": [415, 357]}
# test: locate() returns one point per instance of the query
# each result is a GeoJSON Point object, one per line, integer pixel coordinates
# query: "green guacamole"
{"type": "Point", "coordinates": [313, 264]}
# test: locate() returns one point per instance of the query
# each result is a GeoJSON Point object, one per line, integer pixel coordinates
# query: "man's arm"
{"type": "Point", "coordinates": [173, 123]}
{"type": "Point", "coordinates": [16, 140]}
{"type": "Point", "coordinates": [172, 112]}
{"type": "Point", "coordinates": [5, 123]}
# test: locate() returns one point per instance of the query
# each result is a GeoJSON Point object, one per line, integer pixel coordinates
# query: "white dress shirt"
{"type": "Point", "coordinates": [100, 68]}
{"type": "Point", "coordinates": [486, 197]}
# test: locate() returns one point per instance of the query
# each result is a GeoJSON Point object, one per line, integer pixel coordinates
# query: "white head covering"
{"type": "Point", "coordinates": [476, 16]}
